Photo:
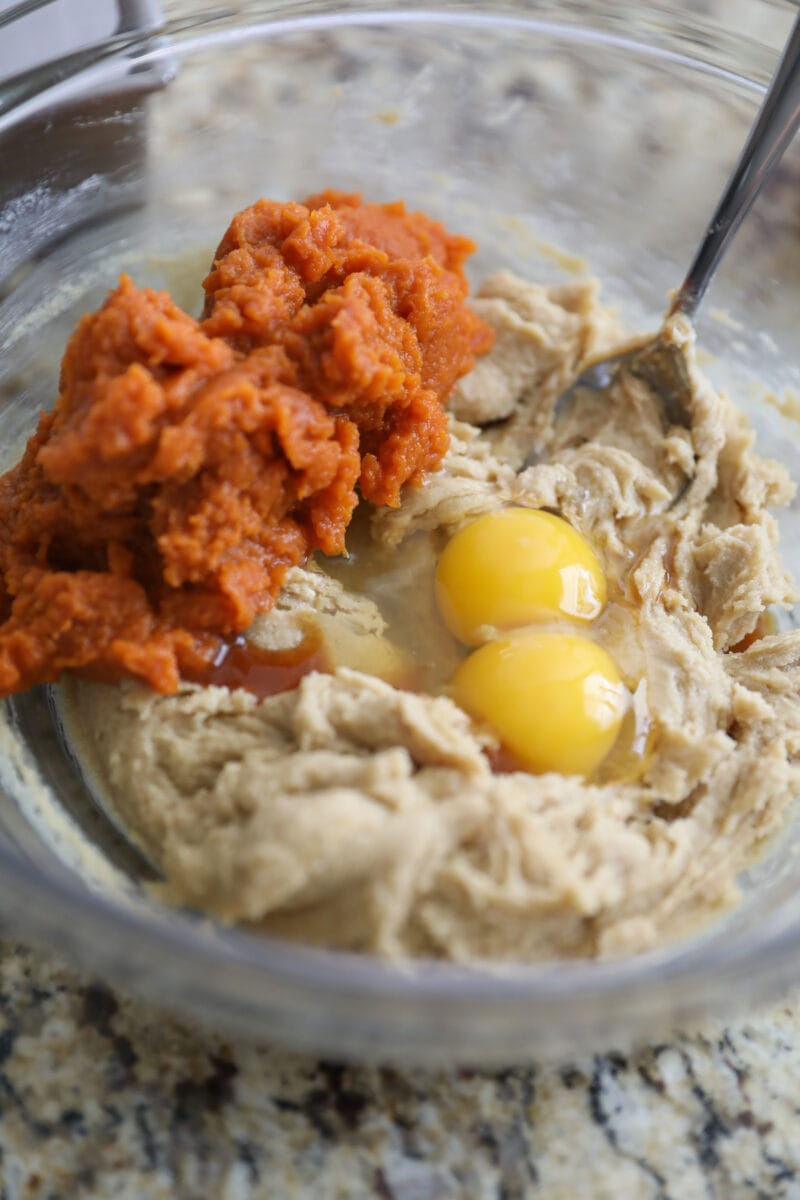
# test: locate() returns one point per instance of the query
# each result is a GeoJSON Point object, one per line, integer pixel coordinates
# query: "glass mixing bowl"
{"type": "Point", "coordinates": [603, 130]}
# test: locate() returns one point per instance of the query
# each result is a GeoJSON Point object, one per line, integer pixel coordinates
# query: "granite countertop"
{"type": "Point", "coordinates": [102, 1098]}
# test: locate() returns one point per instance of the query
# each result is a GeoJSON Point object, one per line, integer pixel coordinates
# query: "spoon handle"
{"type": "Point", "coordinates": [773, 130]}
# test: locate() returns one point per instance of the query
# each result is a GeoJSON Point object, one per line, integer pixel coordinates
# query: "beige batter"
{"type": "Point", "coordinates": [354, 814]}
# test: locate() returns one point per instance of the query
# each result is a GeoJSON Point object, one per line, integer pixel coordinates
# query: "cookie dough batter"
{"type": "Point", "coordinates": [352, 813]}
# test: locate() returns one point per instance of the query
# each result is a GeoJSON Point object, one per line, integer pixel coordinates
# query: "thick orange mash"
{"type": "Point", "coordinates": [189, 463]}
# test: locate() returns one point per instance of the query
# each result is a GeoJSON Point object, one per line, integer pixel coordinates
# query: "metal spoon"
{"type": "Point", "coordinates": [658, 362]}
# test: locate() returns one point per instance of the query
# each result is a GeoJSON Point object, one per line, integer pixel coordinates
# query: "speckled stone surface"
{"type": "Point", "coordinates": [104, 1099]}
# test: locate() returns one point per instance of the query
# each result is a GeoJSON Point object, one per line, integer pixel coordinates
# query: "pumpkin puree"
{"type": "Point", "coordinates": [189, 463]}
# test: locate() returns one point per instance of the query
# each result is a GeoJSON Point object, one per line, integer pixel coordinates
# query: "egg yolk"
{"type": "Point", "coordinates": [555, 700]}
{"type": "Point", "coordinates": [510, 568]}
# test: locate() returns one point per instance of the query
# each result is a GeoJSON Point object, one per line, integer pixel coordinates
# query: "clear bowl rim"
{"type": "Point", "coordinates": [156, 43]}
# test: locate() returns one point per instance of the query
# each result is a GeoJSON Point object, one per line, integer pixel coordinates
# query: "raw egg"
{"type": "Point", "coordinates": [510, 568]}
{"type": "Point", "coordinates": [555, 700]}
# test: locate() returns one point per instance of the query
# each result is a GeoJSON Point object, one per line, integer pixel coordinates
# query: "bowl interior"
{"type": "Point", "coordinates": [562, 151]}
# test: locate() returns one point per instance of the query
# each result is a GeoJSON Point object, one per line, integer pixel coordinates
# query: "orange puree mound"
{"type": "Point", "coordinates": [188, 464]}
{"type": "Point", "coordinates": [367, 301]}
